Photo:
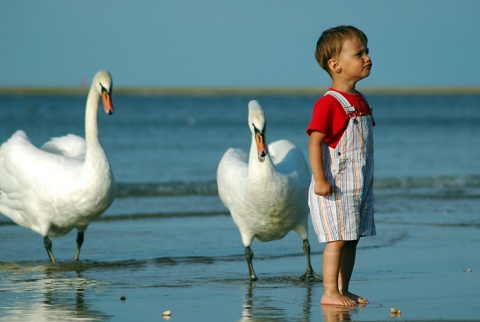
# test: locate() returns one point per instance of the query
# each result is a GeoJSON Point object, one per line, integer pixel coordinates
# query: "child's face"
{"type": "Point", "coordinates": [354, 60]}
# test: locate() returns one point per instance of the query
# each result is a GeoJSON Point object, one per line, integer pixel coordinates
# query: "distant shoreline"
{"type": "Point", "coordinates": [241, 91]}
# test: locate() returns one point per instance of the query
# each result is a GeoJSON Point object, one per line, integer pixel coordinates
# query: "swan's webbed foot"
{"type": "Point", "coordinates": [309, 275]}
{"type": "Point", "coordinates": [80, 237]}
{"type": "Point", "coordinates": [48, 247]}
{"type": "Point", "coordinates": [249, 257]}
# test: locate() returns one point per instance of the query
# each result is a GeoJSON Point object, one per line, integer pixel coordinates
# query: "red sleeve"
{"type": "Point", "coordinates": [329, 118]}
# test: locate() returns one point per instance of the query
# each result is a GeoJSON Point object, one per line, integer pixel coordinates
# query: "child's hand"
{"type": "Point", "coordinates": [323, 188]}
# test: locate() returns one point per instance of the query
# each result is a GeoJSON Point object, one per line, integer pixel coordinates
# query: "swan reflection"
{"type": "Point", "coordinates": [40, 294]}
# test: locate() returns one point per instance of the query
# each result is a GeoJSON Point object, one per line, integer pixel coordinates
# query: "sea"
{"type": "Point", "coordinates": [168, 243]}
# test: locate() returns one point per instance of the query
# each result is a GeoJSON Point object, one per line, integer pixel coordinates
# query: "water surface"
{"type": "Point", "coordinates": [168, 243]}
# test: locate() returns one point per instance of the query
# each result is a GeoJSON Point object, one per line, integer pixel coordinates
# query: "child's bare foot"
{"type": "Point", "coordinates": [356, 298]}
{"type": "Point", "coordinates": [337, 299]}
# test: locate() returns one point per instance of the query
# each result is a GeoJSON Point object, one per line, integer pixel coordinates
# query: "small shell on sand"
{"type": "Point", "coordinates": [394, 311]}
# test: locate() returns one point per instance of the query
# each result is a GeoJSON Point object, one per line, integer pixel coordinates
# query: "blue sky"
{"type": "Point", "coordinates": [227, 43]}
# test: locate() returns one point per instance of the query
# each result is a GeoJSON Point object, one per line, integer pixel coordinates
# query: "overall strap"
{"type": "Point", "coordinates": [349, 109]}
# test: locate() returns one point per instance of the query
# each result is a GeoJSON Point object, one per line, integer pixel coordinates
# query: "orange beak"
{"type": "Point", "coordinates": [107, 102]}
{"type": "Point", "coordinates": [261, 146]}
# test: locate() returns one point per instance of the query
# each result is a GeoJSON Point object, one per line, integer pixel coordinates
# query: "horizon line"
{"type": "Point", "coordinates": [208, 91]}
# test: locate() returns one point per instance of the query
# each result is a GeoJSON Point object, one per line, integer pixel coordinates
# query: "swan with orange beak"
{"type": "Point", "coordinates": [66, 184]}
{"type": "Point", "coordinates": [266, 192]}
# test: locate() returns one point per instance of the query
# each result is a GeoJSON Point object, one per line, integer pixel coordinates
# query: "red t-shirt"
{"type": "Point", "coordinates": [329, 116]}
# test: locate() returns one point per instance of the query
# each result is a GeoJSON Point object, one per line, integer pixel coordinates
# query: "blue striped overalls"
{"type": "Point", "coordinates": [348, 213]}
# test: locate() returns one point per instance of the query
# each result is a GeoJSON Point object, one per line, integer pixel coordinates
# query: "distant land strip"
{"type": "Point", "coordinates": [241, 91]}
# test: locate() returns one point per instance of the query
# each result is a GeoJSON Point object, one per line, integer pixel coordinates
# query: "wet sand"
{"type": "Point", "coordinates": [133, 270]}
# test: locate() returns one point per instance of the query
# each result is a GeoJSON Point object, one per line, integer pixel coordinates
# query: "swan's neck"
{"type": "Point", "coordinates": [93, 148]}
{"type": "Point", "coordinates": [258, 170]}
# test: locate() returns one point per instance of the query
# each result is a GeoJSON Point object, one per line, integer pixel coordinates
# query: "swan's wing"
{"type": "Point", "coordinates": [10, 201]}
{"type": "Point", "coordinates": [232, 176]}
{"type": "Point", "coordinates": [291, 164]}
{"type": "Point", "coordinates": [22, 165]}
{"type": "Point", "coordinates": [289, 159]}
{"type": "Point", "coordinates": [70, 146]}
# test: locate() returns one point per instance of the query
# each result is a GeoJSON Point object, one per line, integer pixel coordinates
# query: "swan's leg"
{"type": "Point", "coordinates": [309, 273]}
{"type": "Point", "coordinates": [48, 246]}
{"type": "Point", "coordinates": [80, 237]}
{"type": "Point", "coordinates": [249, 257]}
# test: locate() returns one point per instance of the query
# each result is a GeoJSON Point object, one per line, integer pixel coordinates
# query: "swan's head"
{"type": "Point", "coordinates": [258, 126]}
{"type": "Point", "coordinates": [102, 82]}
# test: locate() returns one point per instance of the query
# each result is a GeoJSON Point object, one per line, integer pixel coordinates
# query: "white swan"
{"type": "Point", "coordinates": [266, 192]}
{"type": "Point", "coordinates": [66, 184]}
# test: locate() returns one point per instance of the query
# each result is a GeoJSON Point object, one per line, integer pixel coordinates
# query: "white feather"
{"type": "Point", "coordinates": [70, 146]}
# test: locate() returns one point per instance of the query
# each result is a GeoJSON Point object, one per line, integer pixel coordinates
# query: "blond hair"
{"type": "Point", "coordinates": [330, 43]}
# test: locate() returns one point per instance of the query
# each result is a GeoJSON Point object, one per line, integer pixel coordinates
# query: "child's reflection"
{"type": "Point", "coordinates": [333, 313]}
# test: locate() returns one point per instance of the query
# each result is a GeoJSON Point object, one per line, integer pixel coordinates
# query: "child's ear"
{"type": "Point", "coordinates": [334, 66]}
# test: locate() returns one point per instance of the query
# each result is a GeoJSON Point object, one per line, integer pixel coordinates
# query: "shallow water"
{"type": "Point", "coordinates": [194, 267]}
{"type": "Point", "coordinates": [168, 243]}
